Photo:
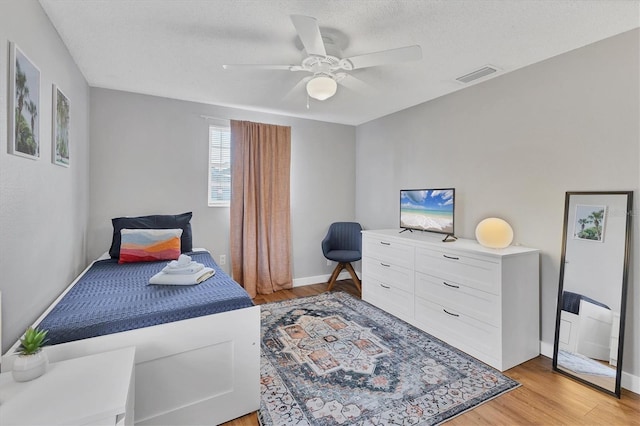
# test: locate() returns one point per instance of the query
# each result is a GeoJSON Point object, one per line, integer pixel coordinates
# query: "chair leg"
{"type": "Point", "coordinates": [334, 275]}
{"type": "Point", "coordinates": [354, 277]}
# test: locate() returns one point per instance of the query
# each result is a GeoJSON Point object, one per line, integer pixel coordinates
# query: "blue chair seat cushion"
{"type": "Point", "coordinates": [343, 255]}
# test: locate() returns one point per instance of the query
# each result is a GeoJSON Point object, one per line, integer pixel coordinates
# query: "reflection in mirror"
{"type": "Point", "coordinates": [592, 292]}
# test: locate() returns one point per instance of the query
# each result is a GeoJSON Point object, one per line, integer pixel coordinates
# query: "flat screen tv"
{"type": "Point", "coordinates": [429, 210]}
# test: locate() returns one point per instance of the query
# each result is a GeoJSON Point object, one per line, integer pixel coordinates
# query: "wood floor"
{"type": "Point", "coordinates": [545, 397]}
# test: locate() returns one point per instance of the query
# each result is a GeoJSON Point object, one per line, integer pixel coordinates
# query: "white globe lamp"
{"type": "Point", "coordinates": [494, 232]}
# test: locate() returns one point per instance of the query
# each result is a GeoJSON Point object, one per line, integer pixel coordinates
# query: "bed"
{"type": "Point", "coordinates": [196, 364]}
{"type": "Point", "coordinates": [585, 326]}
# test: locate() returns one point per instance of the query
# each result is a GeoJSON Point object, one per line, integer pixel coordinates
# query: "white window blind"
{"type": "Point", "coordinates": [219, 166]}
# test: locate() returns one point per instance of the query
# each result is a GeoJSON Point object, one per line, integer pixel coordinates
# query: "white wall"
{"type": "Point", "coordinates": [512, 146]}
{"type": "Point", "coordinates": [149, 156]}
{"type": "Point", "coordinates": [43, 207]}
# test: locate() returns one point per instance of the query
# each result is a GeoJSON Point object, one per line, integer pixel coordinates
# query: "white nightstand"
{"type": "Point", "coordinates": [91, 390]}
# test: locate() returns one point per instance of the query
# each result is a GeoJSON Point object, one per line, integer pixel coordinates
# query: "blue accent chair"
{"type": "Point", "coordinates": [343, 244]}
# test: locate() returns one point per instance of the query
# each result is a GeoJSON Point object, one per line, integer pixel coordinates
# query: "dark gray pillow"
{"type": "Point", "coordinates": [177, 221]}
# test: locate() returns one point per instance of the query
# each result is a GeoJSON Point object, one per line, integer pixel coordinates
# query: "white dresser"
{"type": "Point", "coordinates": [483, 301]}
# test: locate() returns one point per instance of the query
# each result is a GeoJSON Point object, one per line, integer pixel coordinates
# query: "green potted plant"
{"type": "Point", "coordinates": [31, 361]}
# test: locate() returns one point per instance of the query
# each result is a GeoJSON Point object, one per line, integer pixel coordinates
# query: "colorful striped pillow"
{"type": "Point", "coordinates": [149, 245]}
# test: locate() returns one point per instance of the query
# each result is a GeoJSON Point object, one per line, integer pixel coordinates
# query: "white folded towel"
{"type": "Point", "coordinates": [182, 279]}
{"type": "Point", "coordinates": [182, 262]}
{"type": "Point", "coordinates": [191, 268]}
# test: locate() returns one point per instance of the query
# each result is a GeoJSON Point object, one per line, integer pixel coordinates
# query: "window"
{"type": "Point", "coordinates": [219, 166]}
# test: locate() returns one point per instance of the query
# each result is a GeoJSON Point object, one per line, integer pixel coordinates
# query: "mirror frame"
{"type": "Point", "coordinates": [623, 301]}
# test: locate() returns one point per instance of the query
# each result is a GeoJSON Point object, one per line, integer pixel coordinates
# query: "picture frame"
{"type": "Point", "coordinates": [589, 222]}
{"type": "Point", "coordinates": [60, 128]}
{"type": "Point", "coordinates": [23, 137]}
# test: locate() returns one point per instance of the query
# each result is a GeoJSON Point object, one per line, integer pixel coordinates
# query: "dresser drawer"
{"type": "Point", "coordinates": [469, 301]}
{"type": "Point", "coordinates": [468, 334]}
{"type": "Point", "coordinates": [388, 298]}
{"type": "Point", "coordinates": [476, 272]}
{"type": "Point", "coordinates": [388, 273]}
{"type": "Point", "coordinates": [388, 251]}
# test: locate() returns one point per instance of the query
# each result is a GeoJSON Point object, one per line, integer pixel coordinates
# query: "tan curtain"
{"type": "Point", "coordinates": [260, 207]}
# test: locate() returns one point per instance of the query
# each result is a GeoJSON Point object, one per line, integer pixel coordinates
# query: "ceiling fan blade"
{"type": "Point", "coordinates": [262, 67]}
{"type": "Point", "coordinates": [298, 90]}
{"type": "Point", "coordinates": [309, 33]}
{"type": "Point", "coordinates": [391, 56]}
{"type": "Point", "coordinates": [355, 84]}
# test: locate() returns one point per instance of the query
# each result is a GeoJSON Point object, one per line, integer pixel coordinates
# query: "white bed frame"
{"type": "Point", "coordinates": [589, 333]}
{"type": "Point", "coordinates": [198, 371]}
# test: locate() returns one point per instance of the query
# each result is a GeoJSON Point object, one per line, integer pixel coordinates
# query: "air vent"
{"type": "Point", "coordinates": [475, 75]}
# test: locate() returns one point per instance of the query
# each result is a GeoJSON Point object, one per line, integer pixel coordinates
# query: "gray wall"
{"type": "Point", "coordinates": [149, 156]}
{"type": "Point", "coordinates": [512, 146]}
{"type": "Point", "coordinates": [43, 207]}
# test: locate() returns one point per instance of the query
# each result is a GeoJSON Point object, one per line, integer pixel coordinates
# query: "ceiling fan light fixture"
{"type": "Point", "coordinates": [322, 87]}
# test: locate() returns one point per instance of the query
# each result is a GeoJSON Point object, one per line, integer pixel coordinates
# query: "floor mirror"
{"type": "Point", "coordinates": [594, 266]}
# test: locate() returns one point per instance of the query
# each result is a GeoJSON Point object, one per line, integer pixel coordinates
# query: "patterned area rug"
{"type": "Point", "coordinates": [333, 359]}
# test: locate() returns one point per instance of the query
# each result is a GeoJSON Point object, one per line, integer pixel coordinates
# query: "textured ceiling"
{"type": "Point", "coordinates": [176, 48]}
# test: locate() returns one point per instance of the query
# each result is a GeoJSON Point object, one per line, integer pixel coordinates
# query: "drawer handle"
{"type": "Point", "coordinates": [453, 315]}
{"type": "Point", "coordinates": [384, 243]}
{"type": "Point", "coordinates": [385, 265]}
{"type": "Point", "coordinates": [384, 286]}
{"type": "Point", "coordinates": [451, 257]}
{"type": "Point", "coordinates": [450, 285]}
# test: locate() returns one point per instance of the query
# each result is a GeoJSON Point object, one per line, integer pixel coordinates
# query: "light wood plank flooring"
{"type": "Point", "coordinates": [545, 397]}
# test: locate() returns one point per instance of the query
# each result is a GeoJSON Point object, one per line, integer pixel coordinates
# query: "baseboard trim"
{"type": "Point", "coordinates": [300, 282]}
{"type": "Point", "coordinates": [629, 381]}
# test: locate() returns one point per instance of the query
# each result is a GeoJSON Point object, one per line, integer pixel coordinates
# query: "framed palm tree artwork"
{"type": "Point", "coordinates": [589, 222]}
{"type": "Point", "coordinates": [60, 128]}
{"type": "Point", "coordinates": [24, 105]}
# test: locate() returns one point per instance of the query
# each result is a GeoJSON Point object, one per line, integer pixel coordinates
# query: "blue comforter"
{"type": "Point", "coordinates": [112, 297]}
{"type": "Point", "coordinates": [571, 302]}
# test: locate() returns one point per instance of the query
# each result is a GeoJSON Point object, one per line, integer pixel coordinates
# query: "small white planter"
{"type": "Point", "coordinates": [29, 367]}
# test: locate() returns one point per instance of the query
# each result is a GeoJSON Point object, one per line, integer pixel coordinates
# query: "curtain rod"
{"type": "Point", "coordinates": [216, 121]}
{"type": "Point", "coordinates": [209, 117]}
{"type": "Point", "coordinates": [228, 120]}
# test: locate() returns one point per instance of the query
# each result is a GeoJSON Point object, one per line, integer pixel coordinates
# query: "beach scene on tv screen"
{"type": "Point", "coordinates": [428, 210]}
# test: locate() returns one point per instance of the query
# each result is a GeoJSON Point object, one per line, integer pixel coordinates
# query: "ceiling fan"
{"type": "Point", "coordinates": [328, 70]}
